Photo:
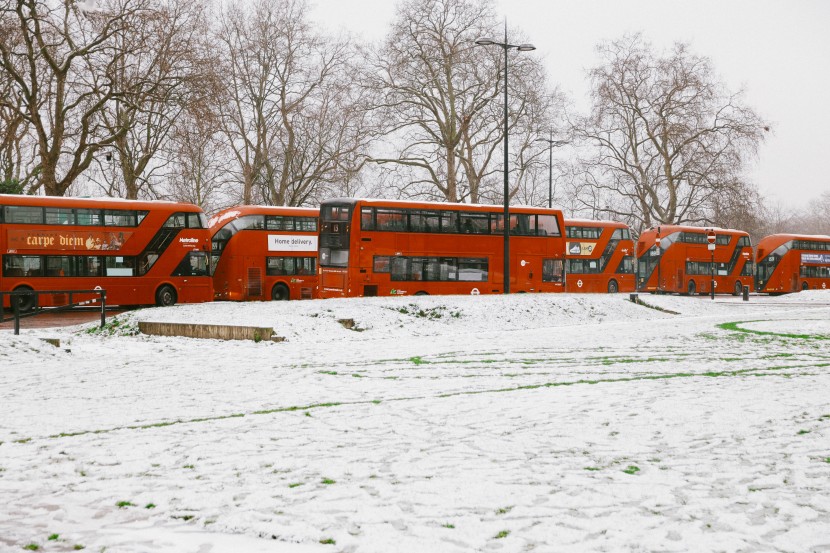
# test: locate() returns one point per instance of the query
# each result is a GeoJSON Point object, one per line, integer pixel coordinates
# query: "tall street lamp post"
{"type": "Point", "coordinates": [551, 145]}
{"type": "Point", "coordinates": [521, 48]}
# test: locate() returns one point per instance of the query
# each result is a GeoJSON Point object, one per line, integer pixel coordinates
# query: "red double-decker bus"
{"type": "Point", "coordinates": [792, 262]}
{"type": "Point", "coordinates": [600, 256]}
{"type": "Point", "coordinates": [676, 259]}
{"type": "Point", "coordinates": [387, 248]}
{"type": "Point", "coordinates": [139, 252]}
{"type": "Point", "coordinates": [264, 252]}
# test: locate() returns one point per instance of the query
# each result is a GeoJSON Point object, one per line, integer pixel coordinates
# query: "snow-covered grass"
{"type": "Point", "coordinates": [529, 422]}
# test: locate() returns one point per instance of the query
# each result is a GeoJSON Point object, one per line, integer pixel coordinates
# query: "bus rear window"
{"type": "Point", "coordinates": [335, 213]}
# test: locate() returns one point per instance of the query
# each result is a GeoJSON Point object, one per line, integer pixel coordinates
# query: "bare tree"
{"type": "Point", "coordinates": [16, 152]}
{"type": "Point", "coordinates": [439, 97]}
{"type": "Point", "coordinates": [200, 160]}
{"type": "Point", "coordinates": [293, 113]}
{"type": "Point", "coordinates": [668, 140]}
{"type": "Point", "coordinates": [164, 65]}
{"type": "Point", "coordinates": [62, 56]}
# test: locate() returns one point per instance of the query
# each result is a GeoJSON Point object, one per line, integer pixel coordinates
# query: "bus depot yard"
{"type": "Point", "coordinates": [544, 422]}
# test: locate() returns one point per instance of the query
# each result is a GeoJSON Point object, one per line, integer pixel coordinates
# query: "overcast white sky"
{"type": "Point", "coordinates": [777, 50]}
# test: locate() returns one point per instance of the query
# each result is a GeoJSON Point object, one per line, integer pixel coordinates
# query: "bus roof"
{"type": "Point", "coordinates": [594, 222]}
{"type": "Point", "coordinates": [379, 202]}
{"type": "Point", "coordinates": [784, 237]}
{"type": "Point", "coordinates": [668, 229]}
{"type": "Point", "coordinates": [103, 203]}
{"type": "Point", "coordinates": [235, 212]}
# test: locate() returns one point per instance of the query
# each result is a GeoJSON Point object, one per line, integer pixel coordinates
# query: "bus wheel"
{"type": "Point", "coordinates": [421, 293]}
{"type": "Point", "coordinates": [691, 289]}
{"type": "Point", "coordinates": [805, 286]}
{"type": "Point", "coordinates": [26, 302]}
{"type": "Point", "coordinates": [739, 288]}
{"type": "Point", "coordinates": [613, 287]}
{"type": "Point", "coordinates": [280, 292]}
{"type": "Point", "coordinates": [165, 296]}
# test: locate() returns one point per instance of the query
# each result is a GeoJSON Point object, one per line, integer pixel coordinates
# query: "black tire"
{"type": "Point", "coordinates": [421, 293]}
{"type": "Point", "coordinates": [280, 292]}
{"type": "Point", "coordinates": [691, 289]}
{"type": "Point", "coordinates": [27, 302]}
{"type": "Point", "coordinates": [739, 288]}
{"type": "Point", "coordinates": [166, 296]}
{"type": "Point", "coordinates": [613, 287]}
{"type": "Point", "coordinates": [805, 286]}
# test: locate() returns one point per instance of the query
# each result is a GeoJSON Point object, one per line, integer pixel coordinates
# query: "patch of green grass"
{"type": "Point", "coordinates": [592, 468]}
{"type": "Point", "coordinates": [328, 541]}
{"type": "Point", "coordinates": [332, 373]}
{"type": "Point", "coordinates": [189, 467]}
{"type": "Point", "coordinates": [327, 481]}
{"type": "Point", "coordinates": [53, 537]}
{"type": "Point", "coordinates": [827, 459]}
{"type": "Point", "coordinates": [448, 525]}
{"type": "Point", "coordinates": [733, 327]}
{"type": "Point", "coordinates": [502, 534]}
{"type": "Point", "coordinates": [183, 517]}
{"type": "Point", "coordinates": [631, 469]}
{"type": "Point", "coordinates": [802, 432]}
{"type": "Point", "coordinates": [504, 510]}
{"type": "Point", "coordinates": [115, 327]}
{"type": "Point", "coordinates": [31, 547]}
{"type": "Point", "coordinates": [78, 547]}
{"type": "Point", "coordinates": [418, 360]}
{"type": "Point", "coordinates": [295, 484]}
{"type": "Point", "coordinates": [150, 506]}
{"type": "Point", "coordinates": [123, 504]}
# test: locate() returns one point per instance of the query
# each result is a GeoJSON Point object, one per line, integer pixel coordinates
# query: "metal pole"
{"type": "Point", "coordinates": [506, 184]}
{"type": "Point", "coordinates": [712, 271]}
{"type": "Point", "coordinates": [103, 307]}
{"type": "Point", "coordinates": [16, 305]}
{"type": "Point", "coordinates": [550, 171]}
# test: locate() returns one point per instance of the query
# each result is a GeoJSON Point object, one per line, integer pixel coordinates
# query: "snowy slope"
{"type": "Point", "coordinates": [529, 422]}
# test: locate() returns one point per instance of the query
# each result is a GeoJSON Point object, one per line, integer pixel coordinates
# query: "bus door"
{"type": "Point", "coordinates": [524, 269]}
{"type": "Point", "coordinates": [252, 267]}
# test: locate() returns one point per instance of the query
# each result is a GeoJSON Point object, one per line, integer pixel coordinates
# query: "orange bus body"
{"type": "Point", "coordinates": [791, 263]}
{"type": "Point", "coordinates": [264, 253]}
{"type": "Point", "coordinates": [140, 252]}
{"type": "Point", "coordinates": [392, 248]}
{"type": "Point", "coordinates": [682, 263]}
{"type": "Point", "coordinates": [600, 257]}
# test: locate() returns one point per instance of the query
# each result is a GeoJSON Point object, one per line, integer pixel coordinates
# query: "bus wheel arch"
{"type": "Point", "coordinates": [421, 293]}
{"type": "Point", "coordinates": [280, 292]}
{"type": "Point", "coordinates": [805, 286]}
{"type": "Point", "coordinates": [28, 301]}
{"type": "Point", "coordinates": [613, 286]}
{"type": "Point", "coordinates": [691, 288]}
{"type": "Point", "coordinates": [739, 288]}
{"type": "Point", "coordinates": [166, 295]}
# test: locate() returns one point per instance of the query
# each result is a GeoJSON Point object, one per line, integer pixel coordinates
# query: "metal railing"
{"type": "Point", "coordinates": [17, 298]}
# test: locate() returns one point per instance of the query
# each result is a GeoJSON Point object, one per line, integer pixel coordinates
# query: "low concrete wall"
{"type": "Point", "coordinates": [215, 332]}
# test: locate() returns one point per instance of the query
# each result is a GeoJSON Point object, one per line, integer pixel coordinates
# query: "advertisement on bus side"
{"type": "Point", "coordinates": [291, 243]}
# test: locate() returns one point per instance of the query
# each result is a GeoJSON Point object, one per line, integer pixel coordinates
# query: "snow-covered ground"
{"type": "Point", "coordinates": [529, 422]}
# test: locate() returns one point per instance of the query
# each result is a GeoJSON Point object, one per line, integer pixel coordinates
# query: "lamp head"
{"type": "Point", "coordinates": [485, 41]}
{"type": "Point", "coordinates": [525, 47]}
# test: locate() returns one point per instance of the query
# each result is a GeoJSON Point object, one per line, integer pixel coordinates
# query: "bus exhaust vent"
{"type": "Point", "coordinates": [254, 282]}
